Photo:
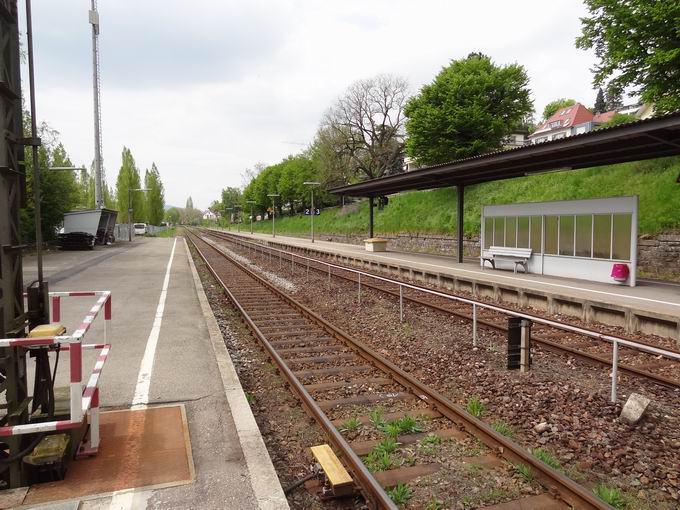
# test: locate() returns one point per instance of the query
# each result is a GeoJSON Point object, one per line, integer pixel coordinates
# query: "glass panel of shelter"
{"type": "Point", "coordinates": [600, 236]}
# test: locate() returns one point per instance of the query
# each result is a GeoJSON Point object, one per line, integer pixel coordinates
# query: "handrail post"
{"type": "Point", "coordinates": [359, 288]}
{"type": "Point", "coordinates": [401, 303]}
{"type": "Point", "coordinates": [474, 325]}
{"type": "Point", "coordinates": [615, 367]}
{"type": "Point", "coordinates": [329, 276]}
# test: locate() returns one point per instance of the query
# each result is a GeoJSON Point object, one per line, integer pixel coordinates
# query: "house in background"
{"type": "Point", "coordinates": [577, 119]}
{"type": "Point", "coordinates": [518, 138]}
{"type": "Point", "coordinates": [209, 215]}
{"type": "Point", "coordinates": [568, 121]}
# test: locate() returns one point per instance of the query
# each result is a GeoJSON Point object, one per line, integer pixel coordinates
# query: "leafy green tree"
{"type": "Point", "coordinates": [467, 110]}
{"type": "Point", "coordinates": [617, 120]}
{"type": "Point", "coordinates": [613, 98]}
{"type": "Point", "coordinates": [60, 191]}
{"type": "Point", "coordinates": [155, 197]}
{"type": "Point", "coordinates": [173, 215]}
{"type": "Point", "coordinates": [88, 194]}
{"type": "Point", "coordinates": [555, 105]}
{"type": "Point", "coordinates": [600, 103]}
{"type": "Point", "coordinates": [190, 203]}
{"type": "Point", "coordinates": [128, 179]}
{"type": "Point", "coordinates": [637, 43]}
{"type": "Point", "coordinates": [230, 196]}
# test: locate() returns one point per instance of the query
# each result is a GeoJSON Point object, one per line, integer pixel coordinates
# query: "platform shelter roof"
{"type": "Point", "coordinates": [645, 139]}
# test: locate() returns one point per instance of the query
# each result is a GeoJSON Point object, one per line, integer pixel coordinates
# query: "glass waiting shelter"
{"type": "Point", "coordinates": [575, 238]}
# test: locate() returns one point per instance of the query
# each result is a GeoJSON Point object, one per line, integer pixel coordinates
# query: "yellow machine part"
{"type": "Point", "coordinates": [50, 449]}
{"type": "Point", "coordinates": [43, 330]}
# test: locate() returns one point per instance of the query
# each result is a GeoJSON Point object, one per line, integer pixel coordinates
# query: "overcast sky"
{"type": "Point", "coordinates": [206, 89]}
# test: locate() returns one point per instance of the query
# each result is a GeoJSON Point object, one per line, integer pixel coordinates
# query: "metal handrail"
{"type": "Point", "coordinates": [614, 340]}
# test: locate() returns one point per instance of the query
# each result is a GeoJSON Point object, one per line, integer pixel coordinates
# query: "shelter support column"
{"type": "Point", "coordinates": [370, 217]}
{"type": "Point", "coordinates": [460, 189]}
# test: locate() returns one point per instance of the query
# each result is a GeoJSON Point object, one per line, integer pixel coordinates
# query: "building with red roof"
{"type": "Point", "coordinates": [577, 119]}
{"type": "Point", "coordinates": [567, 121]}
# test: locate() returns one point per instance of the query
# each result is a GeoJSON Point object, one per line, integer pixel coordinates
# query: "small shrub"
{"type": "Point", "coordinates": [379, 461]}
{"type": "Point", "coordinates": [400, 494]}
{"type": "Point", "coordinates": [431, 439]}
{"type": "Point", "coordinates": [547, 457]}
{"type": "Point", "coordinates": [409, 425]}
{"type": "Point", "coordinates": [377, 418]}
{"type": "Point", "coordinates": [475, 407]}
{"type": "Point", "coordinates": [250, 398]}
{"type": "Point", "coordinates": [350, 425]}
{"type": "Point", "coordinates": [391, 429]}
{"type": "Point", "coordinates": [610, 495]}
{"type": "Point", "coordinates": [434, 504]}
{"type": "Point", "coordinates": [525, 472]}
{"type": "Point", "coordinates": [503, 429]}
{"type": "Point", "coordinates": [388, 445]}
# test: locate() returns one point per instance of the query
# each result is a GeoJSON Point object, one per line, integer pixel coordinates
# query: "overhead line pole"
{"type": "Point", "coordinates": [34, 146]}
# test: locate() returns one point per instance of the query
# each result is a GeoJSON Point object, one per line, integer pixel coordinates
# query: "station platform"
{"type": "Point", "coordinates": [176, 428]}
{"type": "Point", "coordinates": [650, 307]}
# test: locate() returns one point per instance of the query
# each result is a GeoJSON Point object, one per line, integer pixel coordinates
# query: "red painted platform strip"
{"type": "Point", "coordinates": [140, 448]}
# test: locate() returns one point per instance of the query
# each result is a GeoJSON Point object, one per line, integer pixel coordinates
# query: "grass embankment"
{"type": "Point", "coordinates": [170, 232]}
{"type": "Point", "coordinates": [433, 212]}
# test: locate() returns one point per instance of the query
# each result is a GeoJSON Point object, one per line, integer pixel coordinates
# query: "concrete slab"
{"type": "Point", "coordinates": [142, 448]}
{"type": "Point", "coordinates": [651, 307]}
{"type": "Point", "coordinates": [186, 367]}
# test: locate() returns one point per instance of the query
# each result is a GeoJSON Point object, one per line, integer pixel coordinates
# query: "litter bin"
{"type": "Point", "coordinates": [620, 272]}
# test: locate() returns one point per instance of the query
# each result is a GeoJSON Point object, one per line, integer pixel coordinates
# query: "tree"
{"type": "Point", "coordinates": [617, 120]}
{"type": "Point", "coordinates": [613, 98]}
{"type": "Point", "coordinates": [88, 194]}
{"type": "Point", "coordinates": [129, 179]}
{"type": "Point", "coordinates": [231, 196]}
{"type": "Point", "coordinates": [600, 104]}
{"type": "Point", "coordinates": [155, 197]}
{"type": "Point", "coordinates": [637, 43]}
{"type": "Point", "coordinates": [467, 110]}
{"type": "Point", "coordinates": [332, 165]}
{"type": "Point", "coordinates": [60, 191]}
{"type": "Point", "coordinates": [173, 215]}
{"type": "Point", "coordinates": [366, 125]}
{"type": "Point", "coordinates": [189, 215]}
{"type": "Point", "coordinates": [552, 107]}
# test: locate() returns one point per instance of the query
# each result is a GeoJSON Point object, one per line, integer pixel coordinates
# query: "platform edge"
{"type": "Point", "coordinates": [263, 478]}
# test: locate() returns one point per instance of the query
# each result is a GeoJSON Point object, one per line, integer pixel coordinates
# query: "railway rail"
{"type": "Point", "coordinates": [316, 358]}
{"type": "Point", "coordinates": [632, 357]}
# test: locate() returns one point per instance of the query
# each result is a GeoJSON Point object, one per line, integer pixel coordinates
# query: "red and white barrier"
{"type": "Point", "coordinates": [82, 401]}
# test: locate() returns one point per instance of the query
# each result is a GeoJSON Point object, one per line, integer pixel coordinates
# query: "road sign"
{"type": "Point", "coordinates": [308, 211]}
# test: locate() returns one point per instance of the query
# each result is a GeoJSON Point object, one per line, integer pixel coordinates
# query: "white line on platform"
{"type": "Point", "coordinates": [124, 500]}
{"type": "Point", "coordinates": [141, 397]}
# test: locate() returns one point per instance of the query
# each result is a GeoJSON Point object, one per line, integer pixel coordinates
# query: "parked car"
{"type": "Point", "coordinates": [140, 229]}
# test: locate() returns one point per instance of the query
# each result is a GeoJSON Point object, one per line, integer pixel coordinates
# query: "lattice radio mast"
{"type": "Point", "coordinates": [98, 165]}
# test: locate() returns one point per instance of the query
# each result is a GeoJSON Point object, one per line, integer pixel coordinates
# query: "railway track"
{"type": "Point", "coordinates": [631, 362]}
{"type": "Point", "coordinates": [340, 380]}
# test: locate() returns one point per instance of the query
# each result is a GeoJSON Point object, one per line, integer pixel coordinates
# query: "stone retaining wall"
{"type": "Point", "coordinates": [658, 256]}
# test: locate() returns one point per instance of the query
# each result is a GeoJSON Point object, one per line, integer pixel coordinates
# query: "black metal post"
{"type": "Point", "coordinates": [34, 147]}
{"type": "Point", "coordinates": [370, 217]}
{"type": "Point", "coordinates": [459, 229]}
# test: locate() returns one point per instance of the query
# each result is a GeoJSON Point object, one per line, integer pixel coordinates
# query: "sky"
{"type": "Point", "coordinates": [206, 89]}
